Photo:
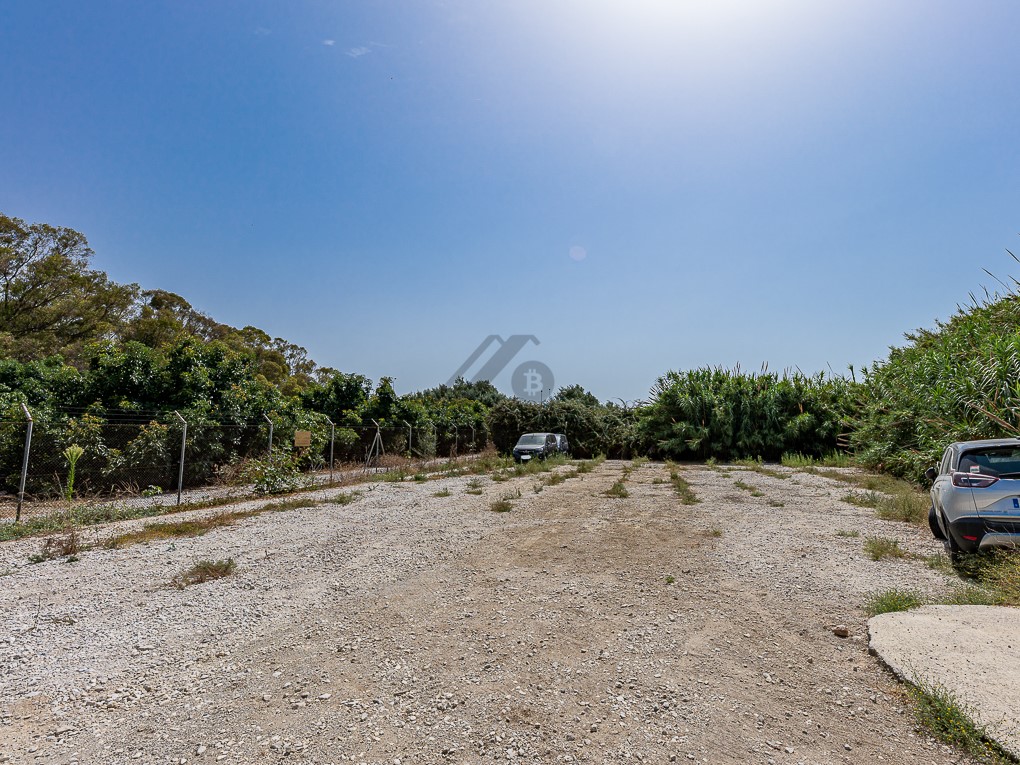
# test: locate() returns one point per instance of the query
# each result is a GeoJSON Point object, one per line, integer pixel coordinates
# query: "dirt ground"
{"type": "Point", "coordinates": [406, 627]}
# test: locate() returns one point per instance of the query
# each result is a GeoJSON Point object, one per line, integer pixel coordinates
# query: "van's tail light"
{"type": "Point", "coordinates": [973, 480]}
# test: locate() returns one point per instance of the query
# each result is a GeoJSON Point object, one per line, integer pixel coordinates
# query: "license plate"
{"type": "Point", "coordinates": [525, 457]}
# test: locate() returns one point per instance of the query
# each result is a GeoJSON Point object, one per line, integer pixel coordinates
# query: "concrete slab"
{"type": "Point", "coordinates": [973, 651]}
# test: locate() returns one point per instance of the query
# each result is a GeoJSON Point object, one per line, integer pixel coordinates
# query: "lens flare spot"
{"type": "Point", "coordinates": [578, 253]}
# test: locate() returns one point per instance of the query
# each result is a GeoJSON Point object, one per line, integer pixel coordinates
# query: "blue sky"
{"type": "Point", "coordinates": [644, 185]}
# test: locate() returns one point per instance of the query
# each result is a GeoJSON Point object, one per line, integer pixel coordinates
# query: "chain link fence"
{"type": "Point", "coordinates": [165, 459]}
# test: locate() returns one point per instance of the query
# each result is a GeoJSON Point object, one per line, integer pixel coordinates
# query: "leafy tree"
{"type": "Point", "coordinates": [576, 393]}
{"type": "Point", "coordinates": [343, 397]}
{"type": "Point", "coordinates": [50, 300]}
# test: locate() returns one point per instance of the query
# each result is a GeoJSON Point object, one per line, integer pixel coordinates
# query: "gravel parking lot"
{"type": "Point", "coordinates": [406, 627]}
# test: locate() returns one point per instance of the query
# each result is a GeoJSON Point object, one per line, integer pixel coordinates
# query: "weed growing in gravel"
{"type": "Point", "coordinates": [997, 571]}
{"type": "Point", "coordinates": [474, 487]}
{"type": "Point", "coordinates": [775, 503]}
{"type": "Point", "coordinates": [587, 466]}
{"type": "Point", "coordinates": [682, 488]}
{"type": "Point", "coordinates": [861, 499]}
{"type": "Point", "coordinates": [939, 711]}
{"type": "Point", "coordinates": [749, 489]}
{"type": "Point", "coordinates": [204, 571]}
{"type": "Point", "coordinates": [748, 462]}
{"type": "Point", "coordinates": [442, 493]}
{"type": "Point", "coordinates": [639, 461]}
{"type": "Point", "coordinates": [758, 467]}
{"type": "Point", "coordinates": [421, 477]}
{"type": "Point", "coordinates": [848, 533]}
{"type": "Point", "coordinates": [670, 579]}
{"type": "Point", "coordinates": [505, 503]}
{"type": "Point", "coordinates": [973, 595]}
{"type": "Point", "coordinates": [892, 600]}
{"type": "Point", "coordinates": [907, 506]}
{"type": "Point", "coordinates": [344, 498]}
{"type": "Point", "coordinates": [617, 491]}
{"type": "Point", "coordinates": [715, 532]}
{"type": "Point", "coordinates": [832, 459]}
{"type": "Point", "coordinates": [658, 481]}
{"type": "Point", "coordinates": [880, 548]}
{"type": "Point", "coordinates": [554, 479]}
{"type": "Point", "coordinates": [155, 532]}
{"type": "Point", "coordinates": [289, 504]}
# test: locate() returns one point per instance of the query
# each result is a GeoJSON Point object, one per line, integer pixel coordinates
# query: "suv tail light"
{"type": "Point", "coordinates": [973, 480]}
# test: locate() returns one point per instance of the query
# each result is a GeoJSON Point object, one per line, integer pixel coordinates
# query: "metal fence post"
{"type": "Point", "coordinates": [410, 450]}
{"type": "Point", "coordinates": [332, 435]}
{"type": "Point", "coordinates": [24, 463]}
{"type": "Point", "coordinates": [180, 469]}
{"type": "Point", "coordinates": [266, 417]}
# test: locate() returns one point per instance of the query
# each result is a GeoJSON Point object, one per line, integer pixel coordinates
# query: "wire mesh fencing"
{"type": "Point", "coordinates": [166, 459]}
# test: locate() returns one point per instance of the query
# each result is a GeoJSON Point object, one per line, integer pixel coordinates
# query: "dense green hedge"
{"type": "Point", "coordinates": [959, 381]}
{"type": "Point", "coordinates": [727, 414]}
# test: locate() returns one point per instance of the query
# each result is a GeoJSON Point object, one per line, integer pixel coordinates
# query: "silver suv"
{"type": "Point", "coordinates": [975, 496]}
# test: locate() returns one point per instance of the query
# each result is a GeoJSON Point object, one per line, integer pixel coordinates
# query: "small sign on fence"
{"type": "Point", "coordinates": [302, 439]}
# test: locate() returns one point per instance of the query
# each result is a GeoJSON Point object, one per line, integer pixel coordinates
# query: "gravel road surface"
{"type": "Point", "coordinates": [406, 627]}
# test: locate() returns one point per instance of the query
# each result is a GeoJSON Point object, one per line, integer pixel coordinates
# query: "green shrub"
{"type": "Point", "coordinates": [278, 476]}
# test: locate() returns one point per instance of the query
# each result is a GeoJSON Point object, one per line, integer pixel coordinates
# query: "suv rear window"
{"type": "Point", "coordinates": [998, 460]}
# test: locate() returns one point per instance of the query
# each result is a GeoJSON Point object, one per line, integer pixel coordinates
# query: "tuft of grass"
{"type": "Point", "coordinates": [155, 532]}
{"type": "Point", "coordinates": [617, 491]}
{"type": "Point", "coordinates": [848, 534]}
{"type": "Point", "coordinates": [683, 489]}
{"type": "Point", "coordinates": [442, 493]}
{"type": "Point", "coordinates": [670, 579]}
{"type": "Point", "coordinates": [505, 503]}
{"type": "Point", "coordinates": [289, 504]}
{"type": "Point", "coordinates": [66, 545]}
{"type": "Point", "coordinates": [775, 503]}
{"type": "Point", "coordinates": [758, 467]}
{"type": "Point", "coordinates": [880, 548]}
{"type": "Point", "coordinates": [748, 462]}
{"type": "Point", "coordinates": [345, 498]}
{"type": "Point", "coordinates": [204, 571]}
{"type": "Point", "coordinates": [973, 595]}
{"type": "Point", "coordinates": [554, 479]}
{"type": "Point", "coordinates": [939, 711]}
{"type": "Point", "coordinates": [997, 571]}
{"type": "Point", "coordinates": [749, 489]}
{"type": "Point", "coordinates": [715, 532]}
{"type": "Point", "coordinates": [906, 506]}
{"type": "Point", "coordinates": [889, 601]}
{"type": "Point", "coordinates": [862, 499]}
{"type": "Point", "coordinates": [832, 459]}
{"type": "Point", "coordinates": [587, 466]}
